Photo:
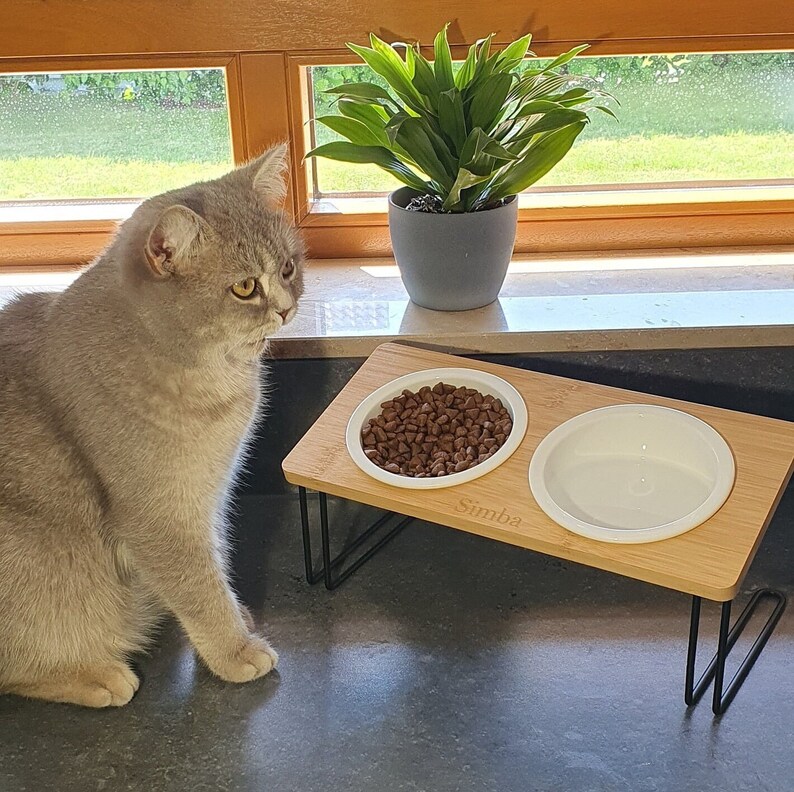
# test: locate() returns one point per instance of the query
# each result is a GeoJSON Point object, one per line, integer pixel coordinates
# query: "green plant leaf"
{"type": "Point", "coordinates": [539, 159]}
{"type": "Point", "coordinates": [353, 130]}
{"type": "Point", "coordinates": [425, 80]}
{"type": "Point", "coordinates": [537, 106]}
{"type": "Point", "coordinates": [395, 75]}
{"type": "Point", "coordinates": [412, 135]}
{"type": "Point", "coordinates": [482, 54]}
{"type": "Point", "coordinates": [410, 56]}
{"type": "Point", "coordinates": [375, 155]}
{"type": "Point", "coordinates": [540, 86]}
{"type": "Point", "coordinates": [362, 90]}
{"type": "Point", "coordinates": [466, 72]}
{"type": "Point", "coordinates": [452, 118]}
{"type": "Point", "coordinates": [408, 135]}
{"type": "Point", "coordinates": [482, 154]}
{"type": "Point", "coordinates": [488, 102]}
{"type": "Point", "coordinates": [471, 151]}
{"type": "Point", "coordinates": [463, 181]}
{"type": "Point", "coordinates": [443, 61]}
{"type": "Point", "coordinates": [374, 117]}
{"type": "Point", "coordinates": [561, 60]}
{"type": "Point", "coordinates": [572, 93]}
{"type": "Point", "coordinates": [607, 110]}
{"type": "Point", "coordinates": [556, 119]}
{"type": "Point", "coordinates": [516, 51]}
{"type": "Point", "coordinates": [496, 150]}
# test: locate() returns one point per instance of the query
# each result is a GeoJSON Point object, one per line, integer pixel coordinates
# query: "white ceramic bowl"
{"type": "Point", "coordinates": [632, 473]}
{"type": "Point", "coordinates": [460, 377]}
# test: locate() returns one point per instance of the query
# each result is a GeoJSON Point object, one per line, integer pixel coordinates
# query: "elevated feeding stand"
{"type": "Point", "coordinates": [709, 562]}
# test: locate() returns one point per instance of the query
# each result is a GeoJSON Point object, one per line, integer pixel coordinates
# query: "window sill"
{"type": "Point", "coordinates": [553, 303]}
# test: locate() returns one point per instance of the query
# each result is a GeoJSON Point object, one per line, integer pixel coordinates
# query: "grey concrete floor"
{"type": "Point", "coordinates": [449, 662]}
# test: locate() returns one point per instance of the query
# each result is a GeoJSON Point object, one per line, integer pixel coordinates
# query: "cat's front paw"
{"type": "Point", "coordinates": [251, 661]}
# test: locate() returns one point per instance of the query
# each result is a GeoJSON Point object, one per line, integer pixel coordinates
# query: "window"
{"type": "Point", "coordinates": [110, 134]}
{"type": "Point", "coordinates": [96, 114]}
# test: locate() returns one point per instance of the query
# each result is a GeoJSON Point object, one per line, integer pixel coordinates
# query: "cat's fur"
{"type": "Point", "coordinates": [125, 404]}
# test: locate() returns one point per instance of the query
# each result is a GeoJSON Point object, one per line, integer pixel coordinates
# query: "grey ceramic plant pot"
{"type": "Point", "coordinates": [451, 262]}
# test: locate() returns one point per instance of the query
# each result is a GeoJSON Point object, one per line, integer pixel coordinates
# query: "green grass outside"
{"type": "Point", "coordinates": [78, 147]}
{"type": "Point", "coordinates": [729, 124]}
{"type": "Point", "coordinates": [81, 177]}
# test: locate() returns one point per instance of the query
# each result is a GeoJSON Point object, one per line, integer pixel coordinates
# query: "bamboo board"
{"type": "Point", "coordinates": [709, 561]}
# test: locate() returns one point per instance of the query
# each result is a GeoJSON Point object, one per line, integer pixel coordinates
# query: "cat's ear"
{"type": "Point", "coordinates": [171, 241]}
{"type": "Point", "coordinates": [268, 174]}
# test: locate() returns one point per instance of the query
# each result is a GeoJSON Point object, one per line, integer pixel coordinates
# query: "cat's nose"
{"type": "Point", "coordinates": [284, 315]}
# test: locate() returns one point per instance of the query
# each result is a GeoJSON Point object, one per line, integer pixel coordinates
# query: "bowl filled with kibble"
{"type": "Point", "coordinates": [436, 428]}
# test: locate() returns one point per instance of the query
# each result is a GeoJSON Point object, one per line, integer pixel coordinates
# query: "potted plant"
{"type": "Point", "coordinates": [465, 142]}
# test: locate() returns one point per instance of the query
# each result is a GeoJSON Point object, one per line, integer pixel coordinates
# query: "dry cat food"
{"type": "Point", "coordinates": [437, 431]}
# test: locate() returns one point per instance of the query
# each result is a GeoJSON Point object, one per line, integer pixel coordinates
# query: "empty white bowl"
{"type": "Point", "coordinates": [460, 377]}
{"type": "Point", "coordinates": [632, 473]}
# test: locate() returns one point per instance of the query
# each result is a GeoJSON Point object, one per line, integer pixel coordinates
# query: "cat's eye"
{"type": "Point", "coordinates": [244, 289]}
{"type": "Point", "coordinates": [288, 268]}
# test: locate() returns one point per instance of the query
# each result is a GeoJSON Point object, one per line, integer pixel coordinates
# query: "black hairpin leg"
{"type": "Point", "coordinates": [331, 571]}
{"type": "Point", "coordinates": [728, 636]}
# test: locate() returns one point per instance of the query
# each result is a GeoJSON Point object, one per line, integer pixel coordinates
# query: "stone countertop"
{"type": "Point", "coordinates": [642, 300]}
{"type": "Point", "coordinates": [556, 304]}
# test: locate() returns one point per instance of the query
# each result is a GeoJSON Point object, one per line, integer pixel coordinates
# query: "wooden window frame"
{"type": "Point", "coordinates": [265, 49]}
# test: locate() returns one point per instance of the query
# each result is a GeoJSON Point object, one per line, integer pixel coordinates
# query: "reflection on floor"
{"type": "Point", "coordinates": [447, 663]}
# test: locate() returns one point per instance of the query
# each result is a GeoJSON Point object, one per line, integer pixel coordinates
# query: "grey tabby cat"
{"type": "Point", "coordinates": [125, 405]}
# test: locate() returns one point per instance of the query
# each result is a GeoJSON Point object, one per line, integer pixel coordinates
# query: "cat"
{"type": "Point", "coordinates": [126, 403]}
